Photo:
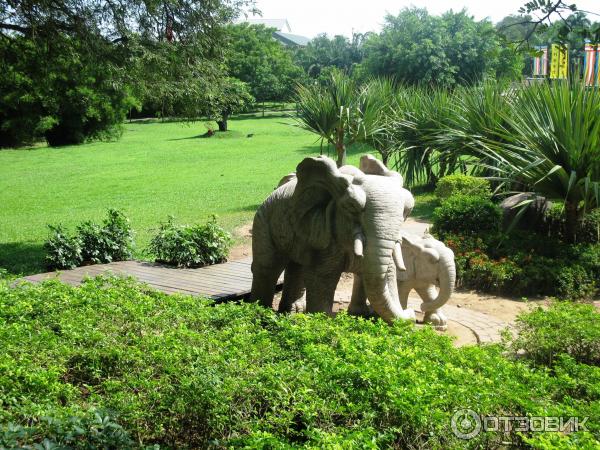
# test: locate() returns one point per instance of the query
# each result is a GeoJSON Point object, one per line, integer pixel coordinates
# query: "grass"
{"type": "Point", "coordinates": [155, 170]}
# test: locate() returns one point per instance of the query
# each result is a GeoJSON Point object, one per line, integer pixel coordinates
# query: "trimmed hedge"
{"type": "Point", "coordinates": [453, 185]}
{"type": "Point", "coordinates": [468, 215]}
{"type": "Point", "coordinates": [181, 372]}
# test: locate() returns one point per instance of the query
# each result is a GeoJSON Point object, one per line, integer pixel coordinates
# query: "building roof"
{"type": "Point", "coordinates": [291, 39]}
{"type": "Point", "coordinates": [279, 24]}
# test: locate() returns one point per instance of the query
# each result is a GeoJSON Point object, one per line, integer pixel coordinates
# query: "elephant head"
{"type": "Point", "coordinates": [360, 213]}
{"type": "Point", "coordinates": [425, 264]}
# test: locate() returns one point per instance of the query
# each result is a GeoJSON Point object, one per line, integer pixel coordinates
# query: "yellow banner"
{"type": "Point", "coordinates": [559, 63]}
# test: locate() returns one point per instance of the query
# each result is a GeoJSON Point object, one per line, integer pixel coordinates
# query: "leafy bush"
{"type": "Point", "coordinates": [191, 246]}
{"type": "Point", "coordinates": [524, 263]}
{"type": "Point", "coordinates": [575, 282]}
{"type": "Point", "coordinates": [452, 185]}
{"type": "Point", "coordinates": [92, 243]}
{"type": "Point", "coordinates": [62, 250]}
{"type": "Point", "coordinates": [182, 372]}
{"type": "Point", "coordinates": [588, 229]}
{"type": "Point", "coordinates": [467, 215]}
{"type": "Point", "coordinates": [111, 241]}
{"type": "Point", "coordinates": [93, 430]}
{"type": "Point", "coordinates": [563, 328]}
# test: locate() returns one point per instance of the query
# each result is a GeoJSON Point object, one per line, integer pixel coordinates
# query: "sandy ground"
{"type": "Point", "coordinates": [505, 309]}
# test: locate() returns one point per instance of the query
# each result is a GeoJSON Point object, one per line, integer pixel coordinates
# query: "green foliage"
{"type": "Point", "coordinates": [322, 53]}
{"type": "Point", "coordinates": [111, 241]}
{"type": "Point", "coordinates": [446, 50]}
{"type": "Point", "coordinates": [92, 244]}
{"type": "Point", "coordinates": [458, 184]}
{"type": "Point", "coordinates": [254, 57]}
{"type": "Point", "coordinates": [73, 69]}
{"type": "Point", "coordinates": [93, 430]}
{"type": "Point", "coordinates": [62, 250]}
{"type": "Point", "coordinates": [191, 246]}
{"type": "Point", "coordinates": [64, 92]}
{"type": "Point", "coordinates": [587, 231]}
{"type": "Point", "coordinates": [550, 143]}
{"type": "Point", "coordinates": [182, 372]}
{"type": "Point", "coordinates": [525, 263]}
{"type": "Point", "coordinates": [330, 111]}
{"type": "Point", "coordinates": [574, 281]}
{"type": "Point", "coordinates": [467, 215]}
{"type": "Point", "coordinates": [565, 328]}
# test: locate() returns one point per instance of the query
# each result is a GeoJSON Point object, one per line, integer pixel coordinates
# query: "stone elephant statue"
{"type": "Point", "coordinates": [322, 221]}
{"type": "Point", "coordinates": [427, 266]}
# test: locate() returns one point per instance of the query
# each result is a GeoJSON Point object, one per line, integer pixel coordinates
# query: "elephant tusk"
{"type": "Point", "coordinates": [397, 254]}
{"type": "Point", "coordinates": [359, 241]}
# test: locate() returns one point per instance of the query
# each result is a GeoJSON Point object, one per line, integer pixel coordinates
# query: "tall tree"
{"type": "Point", "coordinates": [84, 58]}
{"type": "Point", "coordinates": [256, 58]}
{"type": "Point", "coordinates": [416, 47]}
{"type": "Point", "coordinates": [322, 52]}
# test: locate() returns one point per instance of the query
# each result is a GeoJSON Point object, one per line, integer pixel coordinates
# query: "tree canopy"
{"type": "Point", "coordinates": [73, 68]}
{"type": "Point", "coordinates": [255, 57]}
{"type": "Point", "coordinates": [416, 47]}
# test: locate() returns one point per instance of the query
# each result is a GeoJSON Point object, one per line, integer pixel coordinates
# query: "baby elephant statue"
{"type": "Point", "coordinates": [430, 271]}
{"type": "Point", "coordinates": [322, 221]}
{"type": "Point", "coordinates": [426, 266]}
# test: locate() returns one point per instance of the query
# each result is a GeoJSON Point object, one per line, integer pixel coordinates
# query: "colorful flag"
{"type": "Point", "coordinates": [591, 73]}
{"type": "Point", "coordinates": [559, 64]}
{"type": "Point", "coordinates": [540, 63]}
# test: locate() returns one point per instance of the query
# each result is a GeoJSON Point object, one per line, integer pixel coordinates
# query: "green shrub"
{"type": "Point", "coordinates": [191, 246]}
{"type": "Point", "coordinates": [93, 430]}
{"type": "Point", "coordinates": [563, 328]}
{"type": "Point", "coordinates": [574, 282]}
{"type": "Point", "coordinates": [111, 241]}
{"type": "Point", "coordinates": [92, 243]}
{"type": "Point", "coordinates": [481, 272]}
{"type": "Point", "coordinates": [466, 215]}
{"type": "Point", "coordinates": [182, 372]}
{"type": "Point", "coordinates": [588, 229]}
{"type": "Point", "coordinates": [452, 185]}
{"type": "Point", "coordinates": [63, 251]}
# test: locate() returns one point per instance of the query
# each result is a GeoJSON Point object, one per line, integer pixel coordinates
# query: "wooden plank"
{"type": "Point", "coordinates": [229, 280]}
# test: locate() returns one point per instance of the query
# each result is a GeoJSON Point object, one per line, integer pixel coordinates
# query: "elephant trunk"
{"type": "Point", "coordinates": [379, 278]}
{"type": "Point", "coordinates": [447, 278]}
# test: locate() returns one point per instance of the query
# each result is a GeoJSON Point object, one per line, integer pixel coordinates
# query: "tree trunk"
{"type": "Point", "coordinates": [223, 123]}
{"type": "Point", "coordinates": [572, 217]}
{"type": "Point", "coordinates": [340, 148]}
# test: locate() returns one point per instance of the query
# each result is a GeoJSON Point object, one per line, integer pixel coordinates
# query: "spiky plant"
{"type": "Point", "coordinates": [329, 111]}
{"type": "Point", "coordinates": [549, 143]}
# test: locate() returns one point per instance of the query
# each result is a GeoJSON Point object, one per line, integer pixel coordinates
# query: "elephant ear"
{"type": "Point", "coordinates": [372, 166]}
{"type": "Point", "coordinates": [319, 186]}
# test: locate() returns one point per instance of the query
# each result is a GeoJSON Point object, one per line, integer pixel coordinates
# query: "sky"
{"type": "Point", "coordinates": [311, 17]}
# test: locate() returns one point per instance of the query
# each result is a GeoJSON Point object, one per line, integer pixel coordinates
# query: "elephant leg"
{"type": "Point", "coordinates": [358, 303]}
{"type": "Point", "coordinates": [264, 281]}
{"type": "Point", "coordinates": [404, 289]}
{"type": "Point", "coordinates": [435, 317]}
{"type": "Point", "coordinates": [293, 286]}
{"type": "Point", "coordinates": [320, 290]}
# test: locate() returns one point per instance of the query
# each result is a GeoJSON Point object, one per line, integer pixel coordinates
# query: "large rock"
{"type": "Point", "coordinates": [533, 216]}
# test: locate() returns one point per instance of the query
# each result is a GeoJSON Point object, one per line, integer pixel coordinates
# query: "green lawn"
{"type": "Point", "coordinates": [155, 170]}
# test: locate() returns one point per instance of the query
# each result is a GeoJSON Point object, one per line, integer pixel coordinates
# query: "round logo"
{"type": "Point", "coordinates": [466, 424]}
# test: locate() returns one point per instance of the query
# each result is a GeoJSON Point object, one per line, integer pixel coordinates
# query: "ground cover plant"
{"type": "Point", "coordinates": [113, 363]}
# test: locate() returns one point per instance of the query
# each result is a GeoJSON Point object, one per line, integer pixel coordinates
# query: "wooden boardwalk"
{"type": "Point", "coordinates": [226, 281]}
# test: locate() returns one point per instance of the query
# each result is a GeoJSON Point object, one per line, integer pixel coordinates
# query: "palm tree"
{"type": "Point", "coordinates": [329, 111]}
{"type": "Point", "coordinates": [548, 142]}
